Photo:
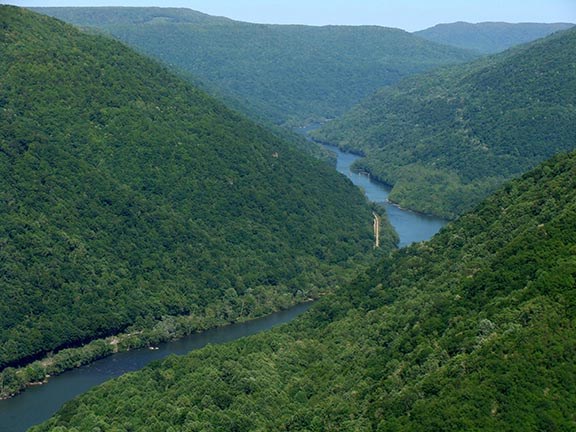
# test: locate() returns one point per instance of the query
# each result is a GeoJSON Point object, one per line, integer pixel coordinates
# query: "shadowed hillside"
{"type": "Point", "coordinates": [127, 195]}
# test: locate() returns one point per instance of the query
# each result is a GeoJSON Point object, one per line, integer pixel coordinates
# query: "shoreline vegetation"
{"type": "Point", "coordinates": [131, 195]}
{"type": "Point", "coordinates": [15, 380]}
{"type": "Point", "coordinates": [358, 167]}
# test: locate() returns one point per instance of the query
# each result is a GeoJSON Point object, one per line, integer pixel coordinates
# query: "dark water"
{"type": "Point", "coordinates": [410, 226]}
{"type": "Point", "coordinates": [37, 404]}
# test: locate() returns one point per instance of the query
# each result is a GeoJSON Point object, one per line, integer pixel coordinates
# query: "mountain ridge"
{"type": "Point", "coordinates": [489, 37]}
{"type": "Point", "coordinates": [446, 139]}
{"type": "Point", "coordinates": [288, 74]}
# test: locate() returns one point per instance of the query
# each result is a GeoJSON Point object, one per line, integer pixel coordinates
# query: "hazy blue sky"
{"type": "Point", "coordinates": [407, 14]}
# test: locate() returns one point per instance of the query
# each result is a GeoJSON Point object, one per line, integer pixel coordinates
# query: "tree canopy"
{"type": "Point", "coordinates": [289, 74]}
{"type": "Point", "coordinates": [473, 330]}
{"type": "Point", "coordinates": [447, 139]}
{"type": "Point", "coordinates": [127, 195]}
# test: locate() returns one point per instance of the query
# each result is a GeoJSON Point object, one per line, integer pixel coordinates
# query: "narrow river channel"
{"type": "Point", "coordinates": [410, 226]}
{"type": "Point", "coordinates": [37, 404]}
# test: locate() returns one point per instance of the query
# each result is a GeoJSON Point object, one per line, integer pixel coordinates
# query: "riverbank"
{"type": "Point", "coordinates": [410, 226]}
{"type": "Point", "coordinates": [13, 381]}
{"type": "Point", "coordinates": [358, 166]}
{"type": "Point", "coordinates": [39, 403]}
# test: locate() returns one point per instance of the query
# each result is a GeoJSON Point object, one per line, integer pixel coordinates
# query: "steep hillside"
{"type": "Point", "coordinates": [289, 74]}
{"type": "Point", "coordinates": [447, 139]}
{"type": "Point", "coordinates": [127, 195]}
{"type": "Point", "coordinates": [489, 37]}
{"type": "Point", "coordinates": [471, 331]}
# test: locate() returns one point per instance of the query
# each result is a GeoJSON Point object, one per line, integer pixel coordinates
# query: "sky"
{"type": "Point", "coordinates": [409, 15]}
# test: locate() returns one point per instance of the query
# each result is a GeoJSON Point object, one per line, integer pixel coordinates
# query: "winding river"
{"type": "Point", "coordinates": [410, 226]}
{"type": "Point", "coordinates": [39, 403]}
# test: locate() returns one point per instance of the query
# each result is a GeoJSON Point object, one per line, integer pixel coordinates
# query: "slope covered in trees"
{"type": "Point", "coordinates": [446, 139]}
{"type": "Point", "coordinates": [489, 37]}
{"type": "Point", "coordinates": [473, 330]}
{"type": "Point", "coordinates": [127, 195]}
{"type": "Point", "coordinates": [288, 74]}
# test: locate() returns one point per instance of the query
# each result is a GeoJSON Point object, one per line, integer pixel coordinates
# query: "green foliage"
{"type": "Point", "coordinates": [287, 74]}
{"type": "Point", "coordinates": [446, 140]}
{"type": "Point", "coordinates": [126, 194]}
{"type": "Point", "coordinates": [489, 37]}
{"type": "Point", "coordinates": [473, 330]}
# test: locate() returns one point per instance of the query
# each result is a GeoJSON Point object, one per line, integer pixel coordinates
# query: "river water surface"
{"type": "Point", "coordinates": [37, 404]}
{"type": "Point", "coordinates": [410, 226]}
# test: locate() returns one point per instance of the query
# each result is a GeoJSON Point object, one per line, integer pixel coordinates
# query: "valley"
{"type": "Point", "coordinates": [447, 139]}
{"type": "Point", "coordinates": [135, 203]}
{"type": "Point", "coordinates": [15, 413]}
{"type": "Point", "coordinates": [163, 211]}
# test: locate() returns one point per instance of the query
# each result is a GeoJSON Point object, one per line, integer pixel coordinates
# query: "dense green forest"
{"type": "Point", "coordinates": [446, 139]}
{"type": "Point", "coordinates": [473, 330]}
{"type": "Point", "coordinates": [489, 37]}
{"type": "Point", "coordinates": [287, 74]}
{"type": "Point", "coordinates": [127, 195]}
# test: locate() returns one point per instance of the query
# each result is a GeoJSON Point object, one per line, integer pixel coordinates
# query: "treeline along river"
{"type": "Point", "coordinates": [410, 226]}
{"type": "Point", "coordinates": [39, 403]}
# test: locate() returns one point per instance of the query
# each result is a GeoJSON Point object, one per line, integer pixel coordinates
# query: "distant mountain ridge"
{"type": "Point", "coordinates": [108, 15]}
{"type": "Point", "coordinates": [289, 74]}
{"type": "Point", "coordinates": [448, 138]}
{"type": "Point", "coordinates": [489, 37]}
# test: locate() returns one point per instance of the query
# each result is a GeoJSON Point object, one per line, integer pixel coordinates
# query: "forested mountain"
{"type": "Point", "coordinates": [285, 73]}
{"type": "Point", "coordinates": [489, 37]}
{"type": "Point", "coordinates": [127, 195]}
{"type": "Point", "coordinates": [471, 331]}
{"type": "Point", "coordinates": [446, 139]}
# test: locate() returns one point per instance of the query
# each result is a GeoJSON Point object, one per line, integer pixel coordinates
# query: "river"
{"type": "Point", "coordinates": [410, 226]}
{"type": "Point", "coordinates": [37, 404]}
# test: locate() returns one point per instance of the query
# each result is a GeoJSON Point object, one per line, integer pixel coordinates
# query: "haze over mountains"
{"type": "Point", "coordinates": [489, 37]}
{"type": "Point", "coordinates": [287, 74]}
{"type": "Point", "coordinates": [128, 195]}
{"type": "Point", "coordinates": [446, 139]}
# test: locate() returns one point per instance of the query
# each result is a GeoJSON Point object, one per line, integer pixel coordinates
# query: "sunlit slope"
{"type": "Point", "coordinates": [471, 331]}
{"type": "Point", "coordinates": [445, 140]}
{"type": "Point", "coordinates": [285, 73]}
{"type": "Point", "coordinates": [127, 195]}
